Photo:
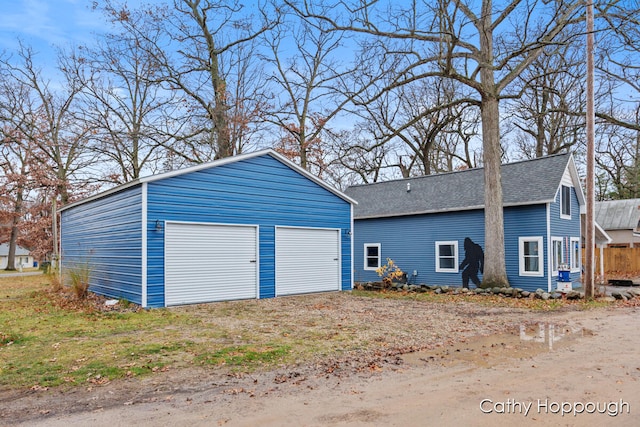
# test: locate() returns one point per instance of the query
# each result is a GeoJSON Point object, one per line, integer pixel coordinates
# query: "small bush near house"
{"type": "Point", "coordinates": [390, 273]}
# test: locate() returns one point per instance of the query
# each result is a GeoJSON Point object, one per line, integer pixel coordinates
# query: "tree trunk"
{"type": "Point", "coordinates": [495, 271]}
{"type": "Point", "coordinates": [17, 212]}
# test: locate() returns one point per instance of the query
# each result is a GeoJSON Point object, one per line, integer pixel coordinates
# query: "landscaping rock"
{"type": "Point", "coordinates": [573, 295]}
{"type": "Point", "coordinates": [624, 295]}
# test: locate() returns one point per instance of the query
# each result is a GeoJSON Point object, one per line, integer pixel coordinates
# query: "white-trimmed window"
{"type": "Point", "coordinates": [576, 255]}
{"type": "Point", "coordinates": [531, 256]}
{"type": "Point", "coordinates": [557, 254]}
{"type": "Point", "coordinates": [565, 202]}
{"type": "Point", "coordinates": [447, 256]}
{"type": "Point", "coordinates": [371, 256]}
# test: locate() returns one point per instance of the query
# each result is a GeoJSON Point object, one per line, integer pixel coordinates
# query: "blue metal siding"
{"type": "Point", "coordinates": [105, 235]}
{"type": "Point", "coordinates": [260, 190]}
{"type": "Point", "coordinates": [566, 228]}
{"type": "Point", "coordinates": [410, 242]}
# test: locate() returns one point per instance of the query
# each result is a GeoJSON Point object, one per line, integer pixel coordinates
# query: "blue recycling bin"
{"type": "Point", "coordinates": [563, 275]}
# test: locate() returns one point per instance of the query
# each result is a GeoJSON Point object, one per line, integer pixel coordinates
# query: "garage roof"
{"type": "Point", "coordinates": [618, 214]}
{"type": "Point", "coordinates": [213, 164]}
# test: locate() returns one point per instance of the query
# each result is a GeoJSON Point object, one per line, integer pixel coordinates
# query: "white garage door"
{"type": "Point", "coordinates": [205, 262]}
{"type": "Point", "coordinates": [307, 260]}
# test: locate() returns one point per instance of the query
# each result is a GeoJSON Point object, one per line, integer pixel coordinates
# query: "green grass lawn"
{"type": "Point", "coordinates": [49, 339]}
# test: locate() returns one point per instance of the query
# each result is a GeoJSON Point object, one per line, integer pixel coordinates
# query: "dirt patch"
{"type": "Point", "coordinates": [520, 342]}
{"type": "Point", "coordinates": [378, 337]}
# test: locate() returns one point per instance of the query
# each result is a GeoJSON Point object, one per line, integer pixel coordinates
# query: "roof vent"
{"type": "Point", "coordinates": [408, 187]}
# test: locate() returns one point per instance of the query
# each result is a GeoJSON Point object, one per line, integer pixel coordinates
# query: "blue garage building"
{"type": "Point", "coordinates": [250, 226]}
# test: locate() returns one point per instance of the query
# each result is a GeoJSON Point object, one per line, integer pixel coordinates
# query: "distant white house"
{"type": "Point", "coordinates": [22, 256]}
{"type": "Point", "coordinates": [621, 220]}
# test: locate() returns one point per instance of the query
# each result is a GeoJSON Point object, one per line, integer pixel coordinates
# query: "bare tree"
{"type": "Point", "coordinates": [474, 44]}
{"type": "Point", "coordinates": [47, 119]}
{"type": "Point", "coordinates": [194, 56]}
{"type": "Point", "coordinates": [548, 110]}
{"type": "Point", "coordinates": [618, 148]}
{"type": "Point", "coordinates": [428, 124]}
{"type": "Point", "coordinates": [125, 106]}
{"type": "Point", "coordinates": [15, 161]}
{"type": "Point", "coordinates": [308, 85]}
{"type": "Point", "coordinates": [618, 157]}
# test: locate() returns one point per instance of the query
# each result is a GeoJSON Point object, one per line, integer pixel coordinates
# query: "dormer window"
{"type": "Point", "coordinates": [565, 202]}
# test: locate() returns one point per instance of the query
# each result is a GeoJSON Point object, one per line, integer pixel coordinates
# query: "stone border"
{"type": "Point", "coordinates": [505, 292]}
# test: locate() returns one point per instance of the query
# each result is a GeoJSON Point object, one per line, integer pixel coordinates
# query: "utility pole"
{"type": "Point", "coordinates": [590, 196]}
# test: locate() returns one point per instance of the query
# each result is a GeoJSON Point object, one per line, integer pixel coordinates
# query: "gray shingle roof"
{"type": "Point", "coordinates": [526, 182]}
{"type": "Point", "coordinates": [618, 214]}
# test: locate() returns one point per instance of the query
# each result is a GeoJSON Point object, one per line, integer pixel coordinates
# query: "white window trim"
{"type": "Point", "coordinates": [368, 245]}
{"type": "Point", "coordinates": [577, 267]}
{"type": "Point", "coordinates": [554, 269]}
{"type": "Point", "coordinates": [521, 241]}
{"type": "Point", "coordinates": [455, 256]}
{"type": "Point", "coordinates": [562, 215]}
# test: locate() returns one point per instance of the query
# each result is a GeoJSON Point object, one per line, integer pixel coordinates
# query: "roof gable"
{"type": "Point", "coordinates": [523, 183]}
{"type": "Point", "coordinates": [213, 164]}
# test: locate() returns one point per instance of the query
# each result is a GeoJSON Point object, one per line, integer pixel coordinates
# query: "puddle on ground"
{"type": "Point", "coordinates": [524, 342]}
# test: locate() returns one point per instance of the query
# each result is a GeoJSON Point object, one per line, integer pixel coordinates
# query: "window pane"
{"type": "Point", "coordinates": [447, 263]}
{"type": "Point", "coordinates": [557, 254]}
{"type": "Point", "coordinates": [446, 250]}
{"type": "Point", "coordinates": [531, 248]}
{"type": "Point", "coordinates": [566, 200]}
{"type": "Point", "coordinates": [531, 264]}
{"type": "Point", "coordinates": [575, 260]}
{"type": "Point", "coordinates": [372, 262]}
{"type": "Point", "coordinates": [372, 251]}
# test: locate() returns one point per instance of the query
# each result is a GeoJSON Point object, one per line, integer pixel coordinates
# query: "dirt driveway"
{"type": "Point", "coordinates": [536, 367]}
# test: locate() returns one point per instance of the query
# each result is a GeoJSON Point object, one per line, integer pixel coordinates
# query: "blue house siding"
{"type": "Point", "coordinates": [258, 191]}
{"type": "Point", "coordinates": [566, 228]}
{"type": "Point", "coordinates": [524, 221]}
{"type": "Point", "coordinates": [106, 236]}
{"type": "Point", "coordinates": [410, 242]}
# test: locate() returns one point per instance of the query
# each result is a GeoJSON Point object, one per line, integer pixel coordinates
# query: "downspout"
{"type": "Point", "coordinates": [352, 253]}
{"type": "Point", "coordinates": [547, 259]}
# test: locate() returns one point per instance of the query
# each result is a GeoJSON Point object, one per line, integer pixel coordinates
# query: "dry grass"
{"type": "Point", "coordinates": [50, 338]}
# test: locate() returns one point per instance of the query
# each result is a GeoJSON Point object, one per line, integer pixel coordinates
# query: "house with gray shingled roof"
{"type": "Point", "coordinates": [432, 226]}
{"type": "Point", "coordinates": [621, 220]}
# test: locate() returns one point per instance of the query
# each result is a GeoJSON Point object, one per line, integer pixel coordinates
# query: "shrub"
{"type": "Point", "coordinates": [54, 279]}
{"type": "Point", "coordinates": [390, 272]}
{"type": "Point", "coordinates": [79, 277]}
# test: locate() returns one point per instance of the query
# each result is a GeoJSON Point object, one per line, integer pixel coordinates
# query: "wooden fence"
{"type": "Point", "coordinates": [618, 261]}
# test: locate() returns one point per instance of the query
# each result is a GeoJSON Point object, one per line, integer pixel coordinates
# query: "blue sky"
{"type": "Point", "coordinates": [44, 23]}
